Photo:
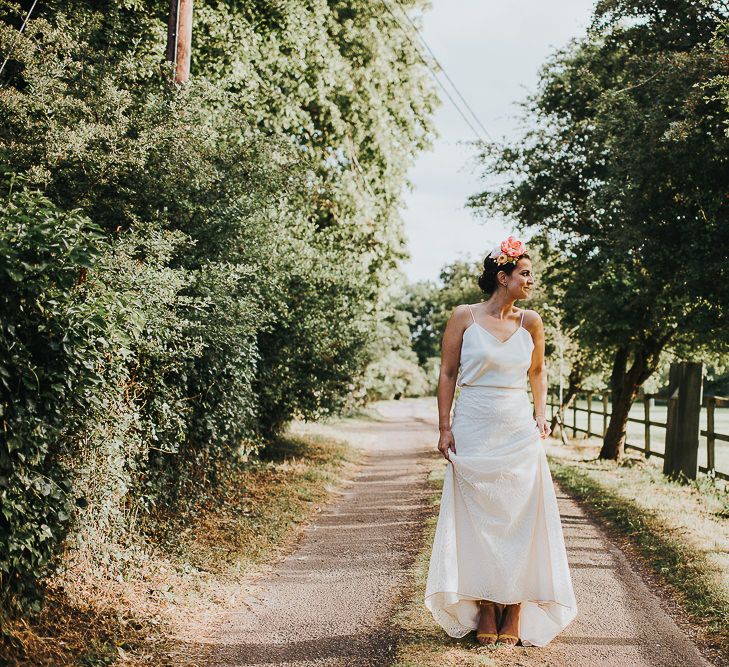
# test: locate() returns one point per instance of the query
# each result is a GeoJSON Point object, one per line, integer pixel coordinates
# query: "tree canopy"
{"type": "Point", "coordinates": [183, 269]}
{"type": "Point", "coordinates": [624, 168]}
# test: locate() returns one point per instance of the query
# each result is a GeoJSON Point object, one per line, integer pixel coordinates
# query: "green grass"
{"type": "Point", "coordinates": [658, 413]}
{"type": "Point", "coordinates": [679, 531]}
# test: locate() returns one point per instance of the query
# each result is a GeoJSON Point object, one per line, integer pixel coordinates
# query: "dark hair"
{"type": "Point", "coordinates": [487, 280]}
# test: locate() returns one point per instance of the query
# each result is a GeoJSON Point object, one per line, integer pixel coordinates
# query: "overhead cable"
{"type": "Point", "coordinates": [424, 60]}
{"type": "Point", "coordinates": [442, 69]}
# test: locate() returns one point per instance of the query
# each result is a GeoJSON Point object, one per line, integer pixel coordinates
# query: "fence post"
{"type": "Point", "coordinates": [574, 416]}
{"type": "Point", "coordinates": [710, 435]}
{"type": "Point", "coordinates": [682, 425]}
{"type": "Point", "coordinates": [604, 413]}
{"type": "Point", "coordinates": [647, 400]}
{"type": "Point", "coordinates": [589, 414]}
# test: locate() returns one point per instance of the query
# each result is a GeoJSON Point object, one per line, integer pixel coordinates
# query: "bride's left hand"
{"type": "Point", "coordinates": [543, 427]}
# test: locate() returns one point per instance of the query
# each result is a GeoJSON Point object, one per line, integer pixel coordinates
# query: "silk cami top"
{"type": "Point", "coordinates": [487, 361]}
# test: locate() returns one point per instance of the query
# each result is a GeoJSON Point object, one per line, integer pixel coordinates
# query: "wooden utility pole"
{"type": "Point", "coordinates": [179, 38]}
{"type": "Point", "coordinates": [184, 41]}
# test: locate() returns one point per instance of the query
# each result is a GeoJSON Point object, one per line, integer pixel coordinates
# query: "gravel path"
{"type": "Point", "coordinates": [327, 602]}
{"type": "Point", "coordinates": [620, 622]}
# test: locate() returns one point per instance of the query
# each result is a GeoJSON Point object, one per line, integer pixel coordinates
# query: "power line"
{"type": "Point", "coordinates": [442, 69]}
{"type": "Point", "coordinates": [17, 37]}
{"type": "Point", "coordinates": [432, 72]}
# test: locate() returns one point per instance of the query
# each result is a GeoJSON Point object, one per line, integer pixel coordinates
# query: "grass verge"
{"type": "Point", "coordinates": [677, 532]}
{"type": "Point", "coordinates": [127, 606]}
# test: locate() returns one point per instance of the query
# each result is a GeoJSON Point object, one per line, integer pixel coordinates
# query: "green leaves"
{"type": "Point", "coordinates": [185, 268]}
{"type": "Point", "coordinates": [47, 344]}
{"type": "Point", "coordinates": [624, 171]}
{"type": "Point", "coordinates": [637, 206]}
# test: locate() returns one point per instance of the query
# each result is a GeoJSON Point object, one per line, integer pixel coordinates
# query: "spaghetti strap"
{"type": "Point", "coordinates": [472, 315]}
{"type": "Point", "coordinates": [521, 323]}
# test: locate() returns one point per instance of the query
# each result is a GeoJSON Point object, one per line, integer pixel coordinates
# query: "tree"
{"type": "Point", "coordinates": [420, 302]}
{"type": "Point", "coordinates": [245, 234]}
{"type": "Point", "coordinates": [346, 87]}
{"type": "Point", "coordinates": [428, 305]}
{"type": "Point", "coordinates": [625, 168]}
{"type": "Point", "coordinates": [567, 360]}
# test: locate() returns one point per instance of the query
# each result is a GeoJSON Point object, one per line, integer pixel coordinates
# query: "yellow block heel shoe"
{"type": "Point", "coordinates": [487, 638]}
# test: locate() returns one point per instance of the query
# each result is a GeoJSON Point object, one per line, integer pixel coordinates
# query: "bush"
{"type": "Point", "coordinates": [56, 335]}
{"type": "Point", "coordinates": [187, 267]}
{"type": "Point", "coordinates": [395, 376]}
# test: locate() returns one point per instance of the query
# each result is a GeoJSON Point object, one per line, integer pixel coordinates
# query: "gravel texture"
{"type": "Point", "coordinates": [325, 603]}
{"type": "Point", "coordinates": [328, 602]}
{"type": "Point", "coordinates": [620, 622]}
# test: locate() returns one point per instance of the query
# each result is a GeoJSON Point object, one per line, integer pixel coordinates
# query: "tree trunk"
{"type": "Point", "coordinates": [624, 386]}
{"type": "Point", "coordinates": [613, 446]}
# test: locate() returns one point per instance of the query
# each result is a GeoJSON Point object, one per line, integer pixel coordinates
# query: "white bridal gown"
{"type": "Point", "coordinates": [499, 535]}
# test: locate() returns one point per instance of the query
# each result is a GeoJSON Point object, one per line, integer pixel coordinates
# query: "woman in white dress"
{"type": "Point", "coordinates": [498, 564]}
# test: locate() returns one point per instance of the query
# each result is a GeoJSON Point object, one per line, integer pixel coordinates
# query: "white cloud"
{"type": "Point", "coordinates": [493, 52]}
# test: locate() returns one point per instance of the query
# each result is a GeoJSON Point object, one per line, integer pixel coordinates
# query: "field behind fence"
{"type": "Point", "coordinates": [590, 412]}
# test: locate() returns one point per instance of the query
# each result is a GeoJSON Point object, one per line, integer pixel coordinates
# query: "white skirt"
{"type": "Point", "coordinates": [499, 535]}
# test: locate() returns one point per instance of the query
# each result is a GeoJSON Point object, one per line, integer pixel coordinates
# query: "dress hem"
{"type": "Point", "coordinates": [466, 596]}
{"type": "Point", "coordinates": [525, 642]}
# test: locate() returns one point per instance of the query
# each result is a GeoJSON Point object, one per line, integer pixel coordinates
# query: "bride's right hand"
{"type": "Point", "coordinates": [446, 442]}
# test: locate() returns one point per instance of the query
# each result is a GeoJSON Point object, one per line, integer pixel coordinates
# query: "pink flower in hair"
{"type": "Point", "coordinates": [508, 251]}
{"type": "Point", "coordinates": [513, 247]}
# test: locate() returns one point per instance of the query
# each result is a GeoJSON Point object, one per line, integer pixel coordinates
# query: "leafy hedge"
{"type": "Point", "coordinates": [53, 338]}
{"type": "Point", "coordinates": [183, 269]}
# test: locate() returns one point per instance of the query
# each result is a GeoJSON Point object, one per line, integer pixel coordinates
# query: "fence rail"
{"type": "Point", "coordinates": [709, 403]}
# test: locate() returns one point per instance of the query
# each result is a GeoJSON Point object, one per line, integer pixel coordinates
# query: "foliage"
{"type": "Point", "coordinates": [198, 264]}
{"type": "Point", "coordinates": [395, 371]}
{"type": "Point", "coordinates": [625, 170]}
{"type": "Point", "coordinates": [430, 304]}
{"type": "Point", "coordinates": [55, 334]}
{"type": "Point", "coordinates": [340, 80]}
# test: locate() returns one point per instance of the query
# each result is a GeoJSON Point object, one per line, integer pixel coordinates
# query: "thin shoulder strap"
{"type": "Point", "coordinates": [472, 315]}
{"type": "Point", "coordinates": [521, 323]}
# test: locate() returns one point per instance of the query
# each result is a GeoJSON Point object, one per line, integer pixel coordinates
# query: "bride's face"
{"type": "Point", "coordinates": [520, 283]}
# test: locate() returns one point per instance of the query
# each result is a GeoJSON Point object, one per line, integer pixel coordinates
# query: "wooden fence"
{"type": "Point", "coordinates": [681, 425]}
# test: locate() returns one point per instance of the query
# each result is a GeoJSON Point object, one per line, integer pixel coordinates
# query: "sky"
{"type": "Point", "coordinates": [493, 51]}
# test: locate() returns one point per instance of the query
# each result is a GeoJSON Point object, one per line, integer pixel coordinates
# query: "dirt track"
{"type": "Point", "coordinates": [328, 602]}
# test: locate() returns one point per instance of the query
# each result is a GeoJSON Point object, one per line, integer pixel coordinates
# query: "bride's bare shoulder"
{"type": "Point", "coordinates": [532, 320]}
{"type": "Point", "coordinates": [460, 311]}
{"type": "Point", "coordinates": [460, 318]}
{"type": "Point", "coordinates": [461, 314]}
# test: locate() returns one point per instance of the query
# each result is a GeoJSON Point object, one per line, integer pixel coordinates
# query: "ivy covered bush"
{"type": "Point", "coordinates": [55, 336]}
{"type": "Point", "coordinates": [184, 269]}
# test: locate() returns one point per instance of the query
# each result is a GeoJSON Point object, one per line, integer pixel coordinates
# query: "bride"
{"type": "Point", "coordinates": [498, 564]}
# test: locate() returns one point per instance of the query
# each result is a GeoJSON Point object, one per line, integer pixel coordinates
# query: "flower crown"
{"type": "Point", "coordinates": [508, 251]}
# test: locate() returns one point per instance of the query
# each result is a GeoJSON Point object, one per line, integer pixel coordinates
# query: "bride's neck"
{"type": "Point", "coordinates": [500, 306]}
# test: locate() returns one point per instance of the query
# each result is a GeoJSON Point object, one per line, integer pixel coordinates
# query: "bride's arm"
{"type": "Point", "coordinates": [449, 361]}
{"type": "Point", "coordinates": [538, 373]}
